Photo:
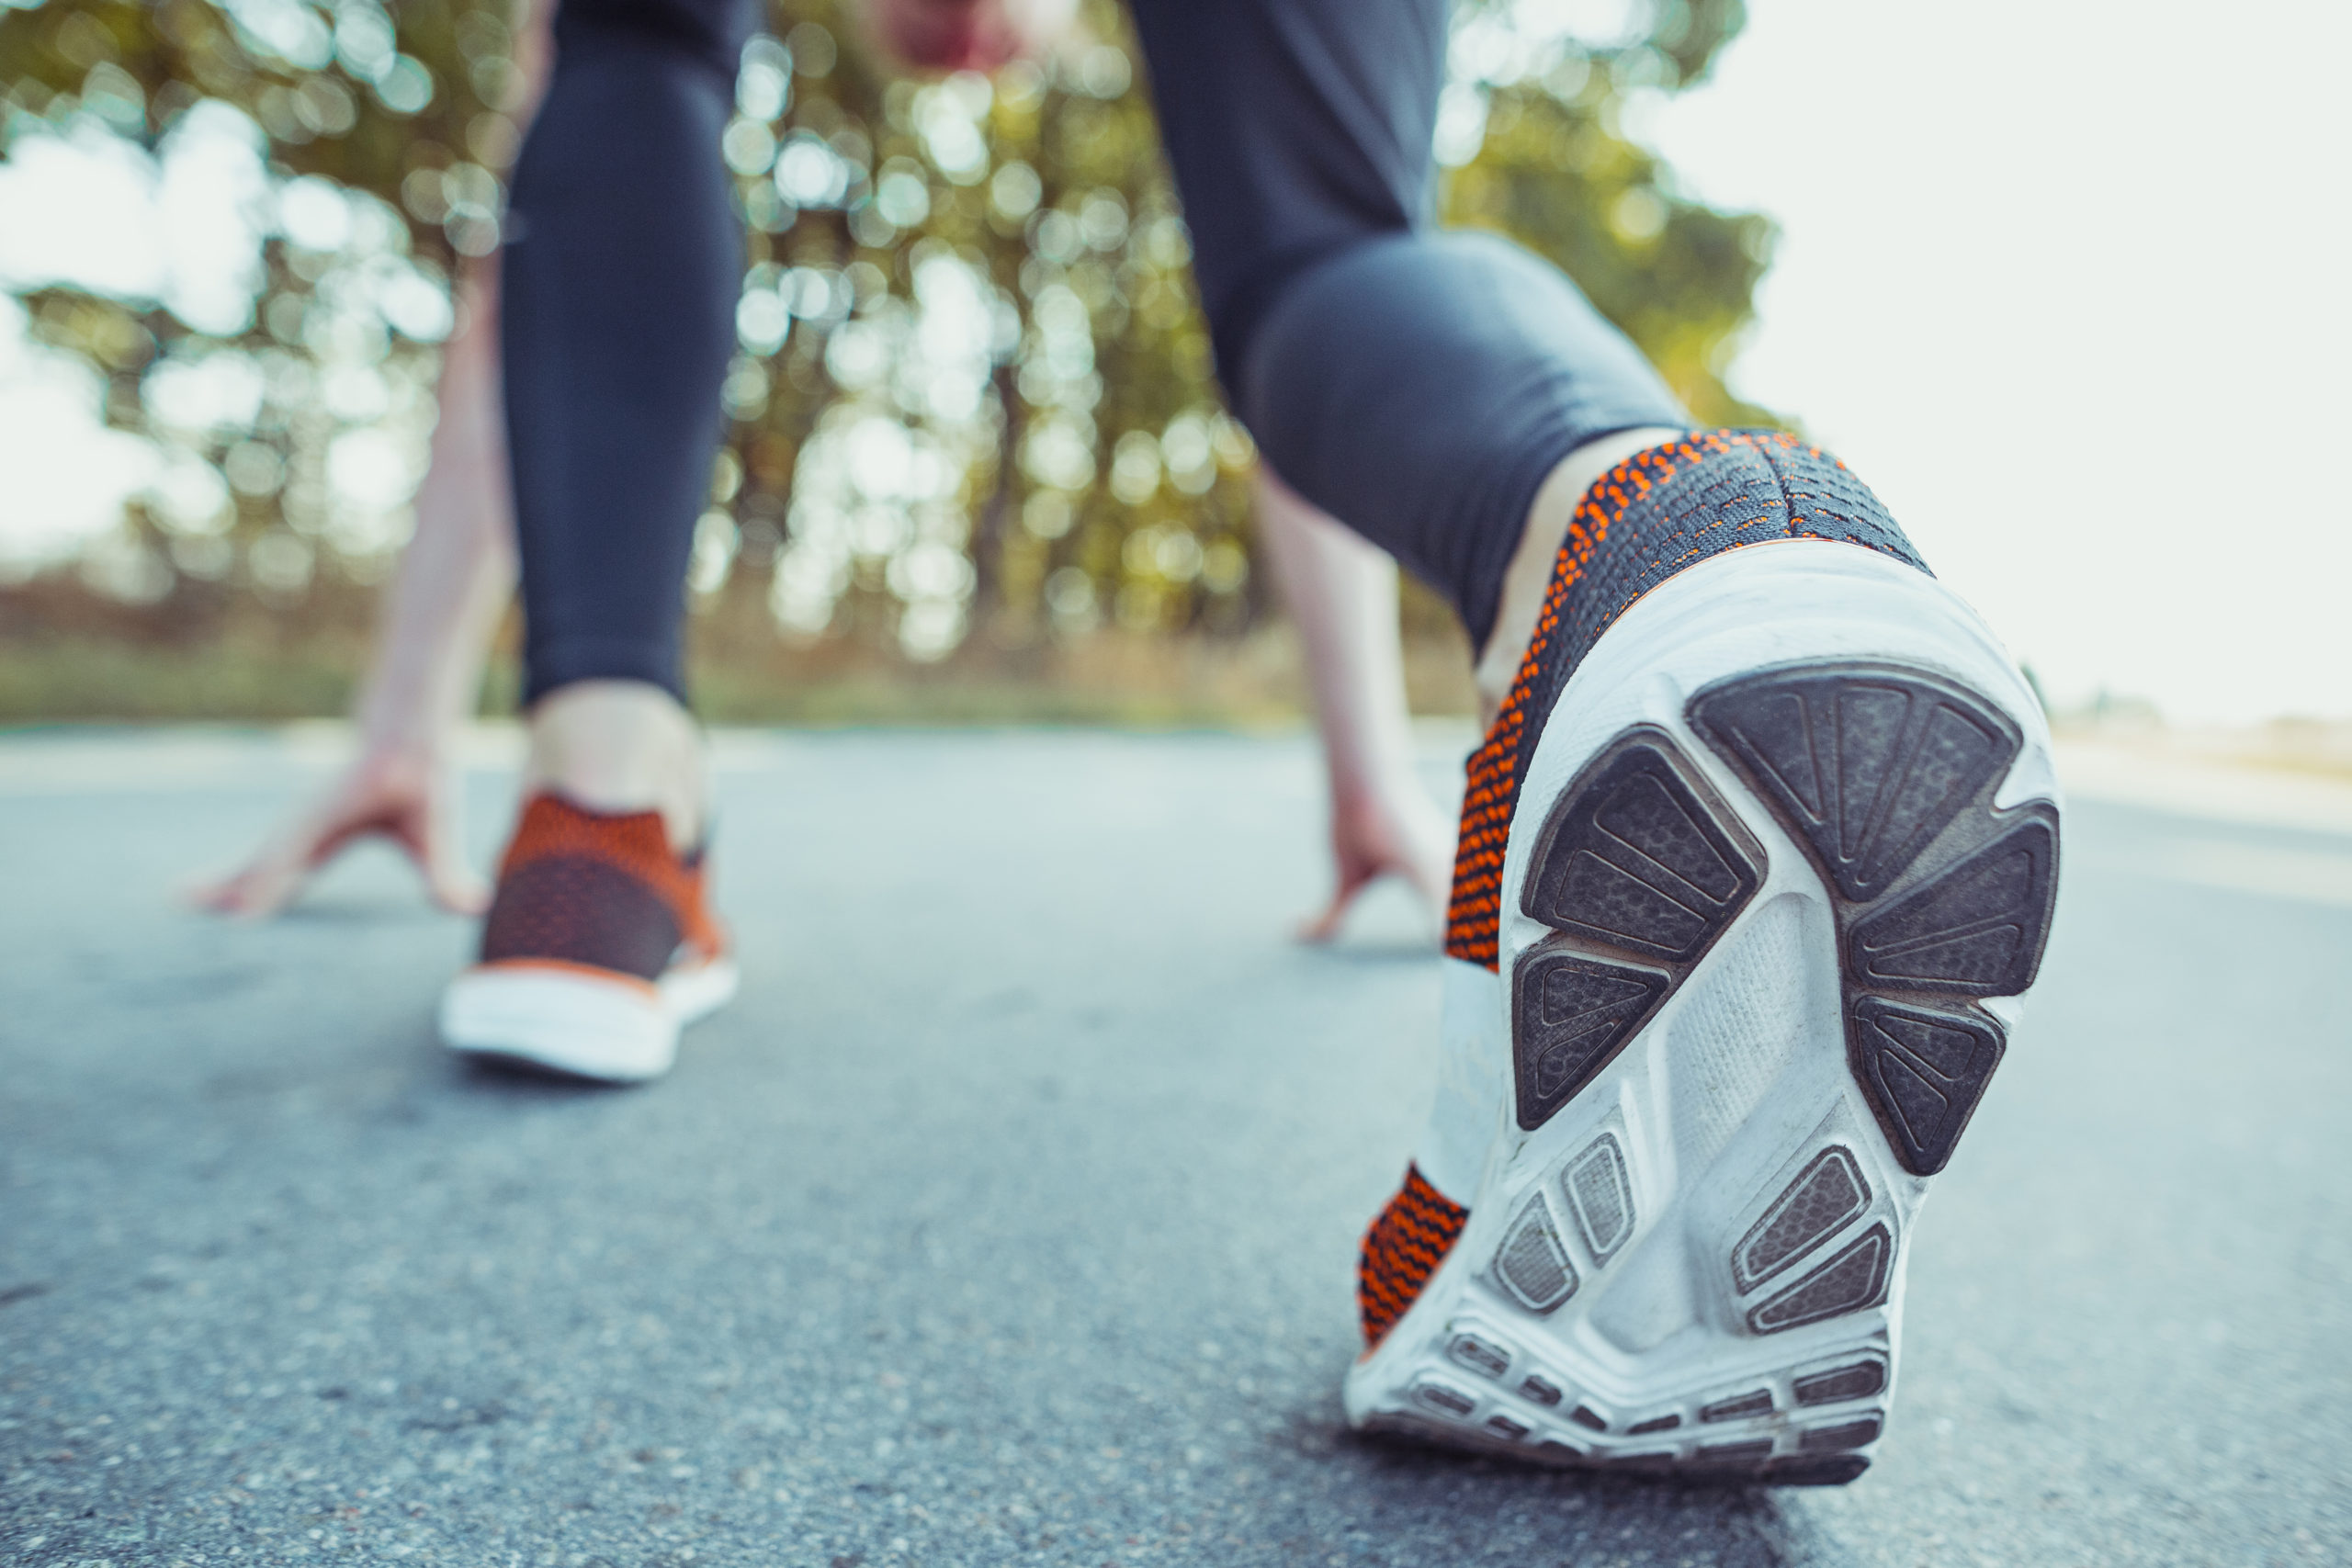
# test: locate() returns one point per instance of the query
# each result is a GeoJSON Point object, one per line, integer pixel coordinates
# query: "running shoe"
{"type": "Point", "coordinates": [1756, 869]}
{"type": "Point", "coordinates": [599, 947]}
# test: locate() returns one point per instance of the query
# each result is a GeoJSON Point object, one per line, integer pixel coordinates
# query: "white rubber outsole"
{"type": "Point", "coordinates": [1694, 1261]}
{"type": "Point", "coordinates": [568, 1020]}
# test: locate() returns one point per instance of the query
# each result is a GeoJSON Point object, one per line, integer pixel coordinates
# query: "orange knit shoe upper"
{"type": "Point", "coordinates": [1402, 1249]}
{"type": "Point", "coordinates": [601, 890]}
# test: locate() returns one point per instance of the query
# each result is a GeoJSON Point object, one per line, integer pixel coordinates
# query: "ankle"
{"type": "Point", "coordinates": [620, 746]}
{"type": "Point", "coordinates": [1529, 576]}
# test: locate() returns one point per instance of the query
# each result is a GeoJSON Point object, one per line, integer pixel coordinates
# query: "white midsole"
{"type": "Point", "coordinates": [616, 1030]}
{"type": "Point", "coordinates": [1740, 1073]}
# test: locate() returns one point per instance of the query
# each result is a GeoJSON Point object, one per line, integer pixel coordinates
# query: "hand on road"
{"type": "Point", "coordinates": [409, 800]}
{"type": "Point", "coordinates": [1404, 835]}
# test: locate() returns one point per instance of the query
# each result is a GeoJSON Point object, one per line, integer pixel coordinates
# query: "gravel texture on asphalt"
{"type": "Point", "coordinates": [1009, 1216]}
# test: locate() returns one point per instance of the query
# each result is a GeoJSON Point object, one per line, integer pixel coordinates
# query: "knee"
{"type": "Point", "coordinates": [1392, 304]}
{"type": "Point", "coordinates": [1257, 307]}
{"type": "Point", "coordinates": [1345, 297]}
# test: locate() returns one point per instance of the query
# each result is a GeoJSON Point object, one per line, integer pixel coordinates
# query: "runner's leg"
{"type": "Point", "coordinates": [621, 272]}
{"type": "Point", "coordinates": [1420, 385]}
{"type": "Point", "coordinates": [1682, 1109]}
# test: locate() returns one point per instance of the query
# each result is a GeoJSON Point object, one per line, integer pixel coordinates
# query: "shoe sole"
{"type": "Point", "coordinates": [1783, 862]}
{"type": "Point", "coordinates": [567, 1019]}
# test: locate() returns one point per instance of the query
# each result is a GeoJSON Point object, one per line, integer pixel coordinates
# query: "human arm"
{"type": "Point", "coordinates": [452, 584]}
{"type": "Point", "coordinates": [1342, 596]}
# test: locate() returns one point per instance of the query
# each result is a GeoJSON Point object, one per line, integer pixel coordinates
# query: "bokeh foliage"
{"type": "Point", "coordinates": [973, 405]}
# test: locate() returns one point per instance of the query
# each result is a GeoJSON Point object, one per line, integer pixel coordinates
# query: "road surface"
{"type": "Point", "coordinates": [1009, 1216]}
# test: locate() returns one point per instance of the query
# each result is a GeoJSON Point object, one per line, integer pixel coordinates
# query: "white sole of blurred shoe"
{"type": "Point", "coordinates": [580, 1021]}
{"type": "Point", "coordinates": [1779, 872]}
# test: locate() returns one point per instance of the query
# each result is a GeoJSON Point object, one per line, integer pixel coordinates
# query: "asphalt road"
{"type": "Point", "coordinates": [1009, 1216]}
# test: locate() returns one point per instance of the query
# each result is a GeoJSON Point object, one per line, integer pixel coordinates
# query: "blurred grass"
{"type": "Point", "coordinates": [70, 655]}
{"type": "Point", "coordinates": [1128, 681]}
{"type": "Point", "coordinates": [96, 678]}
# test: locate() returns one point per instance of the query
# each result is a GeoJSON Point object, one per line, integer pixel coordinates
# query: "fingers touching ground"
{"type": "Point", "coordinates": [411, 804]}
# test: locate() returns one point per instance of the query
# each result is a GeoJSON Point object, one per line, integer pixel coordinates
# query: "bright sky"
{"type": "Point", "coordinates": [93, 209]}
{"type": "Point", "coordinates": [2067, 284]}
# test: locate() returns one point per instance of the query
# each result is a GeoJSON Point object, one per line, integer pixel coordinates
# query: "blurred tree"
{"type": "Point", "coordinates": [973, 392]}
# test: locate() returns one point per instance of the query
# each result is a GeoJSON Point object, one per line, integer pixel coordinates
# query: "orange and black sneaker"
{"type": "Point", "coordinates": [599, 947]}
{"type": "Point", "coordinates": [1756, 867]}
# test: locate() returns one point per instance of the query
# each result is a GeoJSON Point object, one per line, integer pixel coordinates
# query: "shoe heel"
{"type": "Point", "coordinates": [610, 1029]}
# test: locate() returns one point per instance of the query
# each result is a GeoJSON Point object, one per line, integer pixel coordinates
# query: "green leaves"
{"type": "Point", "coordinates": [974, 388]}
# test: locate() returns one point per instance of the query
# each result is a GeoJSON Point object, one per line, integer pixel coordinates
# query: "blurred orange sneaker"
{"type": "Point", "coordinates": [599, 947]}
{"type": "Point", "coordinates": [1756, 867]}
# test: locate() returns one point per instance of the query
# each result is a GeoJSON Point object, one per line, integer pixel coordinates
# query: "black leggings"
{"type": "Point", "coordinates": [1417, 385]}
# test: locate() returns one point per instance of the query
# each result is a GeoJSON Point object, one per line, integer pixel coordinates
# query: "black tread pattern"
{"type": "Point", "coordinates": [1826, 1470]}
{"type": "Point", "coordinates": [1602, 1196]}
{"type": "Point", "coordinates": [1481, 1356]}
{"type": "Point", "coordinates": [1867, 765]}
{"type": "Point", "coordinates": [1636, 863]}
{"type": "Point", "coordinates": [1840, 1383]}
{"type": "Point", "coordinates": [1532, 1266]}
{"type": "Point", "coordinates": [1573, 1015]}
{"type": "Point", "coordinates": [1638, 872]}
{"type": "Point", "coordinates": [1976, 927]}
{"type": "Point", "coordinates": [1854, 1278]}
{"type": "Point", "coordinates": [1751, 1451]}
{"type": "Point", "coordinates": [1886, 774]}
{"type": "Point", "coordinates": [1826, 1194]}
{"type": "Point", "coordinates": [1924, 1071]}
{"type": "Point", "coordinates": [1440, 1398]}
{"type": "Point", "coordinates": [1738, 1407]}
{"type": "Point", "coordinates": [1859, 1433]}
